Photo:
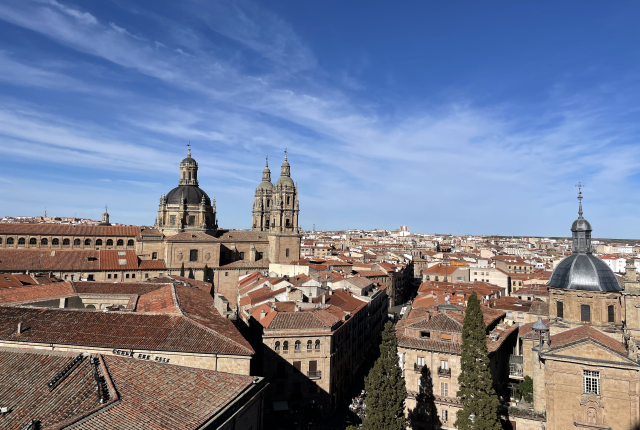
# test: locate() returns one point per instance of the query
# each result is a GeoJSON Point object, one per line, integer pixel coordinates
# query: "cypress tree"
{"type": "Point", "coordinates": [385, 386]}
{"type": "Point", "coordinates": [205, 276]}
{"type": "Point", "coordinates": [476, 385]}
{"type": "Point", "coordinates": [182, 270]}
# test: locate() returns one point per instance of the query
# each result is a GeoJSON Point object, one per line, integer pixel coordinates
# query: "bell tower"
{"type": "Point", "coordinates": [263, 202]}
{"type": "Point", "coordinates": [188, 170]}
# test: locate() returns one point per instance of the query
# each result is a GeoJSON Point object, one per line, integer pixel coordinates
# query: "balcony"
{"type": "Point", "coordinates": [445, 373]}
{"type": "Point", "coordinates": [314, 374]}
{"type": "Point", "coordinates": [417, 367]}
{"type": "Point", "coordinates": [516, 366]}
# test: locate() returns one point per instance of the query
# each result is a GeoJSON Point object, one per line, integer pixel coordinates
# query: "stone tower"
{"type": "Point", "coordinates": [275, 211]}
{"type": "Point", "coordinates": [263, 202]}
{"type": "Point", "coordinates": [105, 217]}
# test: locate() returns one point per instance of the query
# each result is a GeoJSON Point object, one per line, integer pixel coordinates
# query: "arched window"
{"type": "Point", "coordinates": [309, 344]}
{"type": "Point", "coordinates": [288, 199]}
{"type": "Point", "coordinates": [9, 241]}
{"type": "Point", "coordinates": [297, 345]}
{"type": "Point", "coordinates": [130, 242]}
{"type": "Point", "coordinates": [285, 346]}
{"type": "Point", "coordinates": [99, 242]}
{"type": "Point", "coordinates": [287, 222]}
{"type": "Point", "coordinates": [44, 241]}
{"type": "Point", "coordinates": [120, 242]}
{"type": "Point", "coordinates": [318, 344]}
{"type": "Point", "coordinates": [268, 203]}
{"type": "Point", "coordinates": [109, 242]}
{"type": "Point", "coordinates": [0, 241]}
{"type": "Point", "coordinates": [65, 242]}
{"type": "Point", "coordinates": [33, 241]}
{"type": "Point", "coordinates": [87, 242]}
{"type": "Point", "coordinates": [277, 347]}
{"type": "Point", "coordinates": [21, 241]}
{"type": "Point", "coordinates": [55, 241]}
{"type": "Point", "coordinates": [76, 242]}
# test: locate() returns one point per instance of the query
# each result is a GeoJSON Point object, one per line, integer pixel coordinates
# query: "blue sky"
{"type": "Point", "coordinates": [450, 117]}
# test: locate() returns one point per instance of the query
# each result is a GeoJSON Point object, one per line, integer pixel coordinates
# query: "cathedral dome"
{"type": "Point", "coordinates": [266, 184]}
{"type": "Point", "coordinates": [582, 270]}
{"type": "Point", "coordinates": [188, 161]}
{"type": "Point", "coordinates": [191, 193]}
{"type": "Point", "coordinates": [285, 180]}
{"type": "Point", "coordinates": [285, 174]}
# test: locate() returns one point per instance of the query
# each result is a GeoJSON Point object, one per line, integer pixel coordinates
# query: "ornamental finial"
{"type": "Point", "coordinates": [580, 187]}
{"type": "Point", "coordinates": [189, 150]}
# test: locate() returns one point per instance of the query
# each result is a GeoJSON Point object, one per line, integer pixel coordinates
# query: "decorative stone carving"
{"type": "Point", "coordinates": [180, 256]}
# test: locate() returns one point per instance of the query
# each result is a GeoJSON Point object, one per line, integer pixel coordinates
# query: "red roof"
{"type": "Point", "coordinates": [585, 333]}
{"type": "Point", "coordinates": [67, 230]}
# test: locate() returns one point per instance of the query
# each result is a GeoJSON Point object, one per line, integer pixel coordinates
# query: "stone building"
{"type": "Point", "coordinates": [583, 359]}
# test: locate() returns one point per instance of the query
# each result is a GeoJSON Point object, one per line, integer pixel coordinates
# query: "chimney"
{"type": "Point", "coordinates": [262, 314]}
{"type": "Point", "coordinates": [19, 327]}
{"type": "Point", "coordinates": [324, 299]}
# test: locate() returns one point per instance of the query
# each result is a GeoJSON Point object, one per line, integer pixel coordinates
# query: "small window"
{"type": "Point", "coordinates": [133, 275]}
{"type": "Point", "coordinates": [286, 252]}
{"type": "Point", "coordinates": [560, 309]}
{"type": "Point", "coordinates": [21, 241]}
{"type": "Point", "coordinates": [277, 346]}
{"type": "Point", "coordinates": [611, 313]}
{"type": "Point", "coordinates": [120, 242]}
{"type": "Point", "coordinates": [55, 242]}
{"type": "Point", "coordinates": [98, 242]}
{"type": "Point", "coordinates": [318, 344]}
{"type": "Point", "coordinates": [309, 345]}
{"type": "Point", "coordinates": [226, 273]}
{"type": "Point", "coordinates": [87, 242]}
{"type": "Point", "coordinates": [115, 276]}
{"type": "Point", "coordinates": [444, 364]}
{"type": "Point", "coordinates": [444, 389]}
{"type": "Point", "coordinates": [33, 241]}
{"type": "Point", "coordinates": [76, 242]}
{"type": "Point", "coordinates": [242, 256]}
{"type": "Point", "coordinates": [127, 276]}
{"type": "Point", "coordinates": [0, 241]}
{"type": "Point", "coordinates": [287, 223]}
{"type": "Point", "coordinates": [154, 255]}
{"type": "Point", "coordinates": [445, 415]}
{"type": "Point", "coordinates": [193, 255]}
{"type": "Point", "coordinates": [297, 345]}
{"type": "Point", "coordinates": [9, 241]}
{"type": "Point", "coordinates": [146, 275]}
{"type": "Point", "coordinates": [109, 242]}
{"type": "Point", "coordinates": [585, 313]}
{"type": "Point", "coordinates": [425, 334]}
{"type": "Point", "coordinates": [591, 382]}
{"type": "Point", "coordinates": [130, 242]}
{"type": "Point", "coordinates": [420, 361]}
{"type": "Point", "coordinates": [172, 220]}
{"type": "Point", "coordinates": [288, 199]}
{"type": "Point", "coordinates": [109, 276]}
{"type": "Point", "coordinates": [285, 346]}
{"type": "Point", "coordinates": [192, 220]}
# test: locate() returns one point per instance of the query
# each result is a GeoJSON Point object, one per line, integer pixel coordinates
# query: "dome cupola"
{"type": "Point", "coordinates": [582, 270]}
{"type": "Point", "coordinates": [266, 184]}
{"type": "Point", "coordinates": [285, 174]}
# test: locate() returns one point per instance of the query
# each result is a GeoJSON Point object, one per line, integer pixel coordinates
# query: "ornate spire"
{"type": "Point", "coordinates": [580, 187]}
{"type": "Point", "coordinates": [189, 150]}
{"type": "Point", "coordinates": [285, 154]}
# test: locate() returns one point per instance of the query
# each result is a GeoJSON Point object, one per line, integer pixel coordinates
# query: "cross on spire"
{"type": "Point", "coordinates": [580, 187]}
{"type": "Point", "coordinates": [285, 154]}
{"type": "Point", "coordinates": [267, 161]}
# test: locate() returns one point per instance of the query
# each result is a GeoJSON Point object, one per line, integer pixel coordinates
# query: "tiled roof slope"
{"type": "Point", "coordinates": [302, 320]}
{"type": "Point", "coordinates": [199, 306]}
{"type": "Point", "coordinates": [35, 292]}
{"type": "Point", "coordinates": [167, 397]}
{"type": "Point", "coordinates": [67, 230]}
{"type": "Point", "coordinates": [42, 260]}
{"type": "Point", "coordinates": [139, 288]}
{"type": "Point", "coordinates": [7, 280]}
{"type": "Point", "coordinates": [586, 333]}
{"type": "Point", "coordinates": [110, 260]}
{"type": "Point", "coordinates": [24, 378]}
{"type": "Point", "coordinates": [124, 330]}
{"type": "Point", "coordinates": [158, 301]}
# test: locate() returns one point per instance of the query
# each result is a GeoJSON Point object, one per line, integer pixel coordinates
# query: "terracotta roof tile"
{"type": "Point", "coordinates": [35, 292]}
{"type": "Point", "coordinates": [584, 333]}
{"type": "Point", "coordinates": [44, 261]}
{"type": "Point", "coordinates": [152, 265]}
{"type": "Point", "coordinates": [158, 301]}
{"type": "Point", "coordinates": [118, 260]}
{"type": "Point", "coordinates": [67, 230]}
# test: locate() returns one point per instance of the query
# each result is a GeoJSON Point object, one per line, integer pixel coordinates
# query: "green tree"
{"type": "Point", "coordinates": [385, 386]}
{"type": "Point", "coordinates": [205, 275]}
{"type": "Point", "coordinates": [479, 401]}
{"type": "Point", "coordinates": [526, 389]}
{"type": "Point", "coordinates": [182, 270]}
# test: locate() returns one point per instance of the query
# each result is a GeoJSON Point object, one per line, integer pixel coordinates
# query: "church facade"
{"type": "Point", "coordinates": [186, 230]}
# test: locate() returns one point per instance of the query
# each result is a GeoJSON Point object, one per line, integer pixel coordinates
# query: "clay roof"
{"type": "Point", "coordinates": [440, 269]}
{"type": "Point", "coordinates": [345, 301]}
{"type": "Point", "coordinates": [141, 393]}
{"type": "Point", "coordinates": [139, 288]}
{"type": "Point", "coordinates": [313, 319]}
{"type": "Point", "coordinates": [159, 301]}
{"type": "Point", "coordinates": [152, 264]}
{"type": "Point", "coordinates": [118, 260]}
{"type": "Point", "coordinates": [25, 279]}
{"type": "Point", "coordinates": [8, 280]}
{"type": "Point", "coordinates": [359, 282]}
{"type": "Point", "coordinates": [584, 333]}
{"type": "Point", "coordinates": [372, 273]}
{"type": "Point", "coordinates": [43, 260]}
{"type": "Point", "coordinates": [200, 328]}
{"type": "Point", "coordinates": [67, 230]}
{"type": "Point", "coordinates": [35, 292]}
{"type": "Point", "coordinates": [263, 294]}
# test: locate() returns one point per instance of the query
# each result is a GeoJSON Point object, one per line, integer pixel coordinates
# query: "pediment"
{"type": "Point", "coordinates": [590, 349]}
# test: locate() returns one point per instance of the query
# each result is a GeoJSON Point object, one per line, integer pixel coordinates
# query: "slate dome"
{"type": "Point", "coordinates": [191, 193]}
{"type": "Point", "coordinates": [582, 270]}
